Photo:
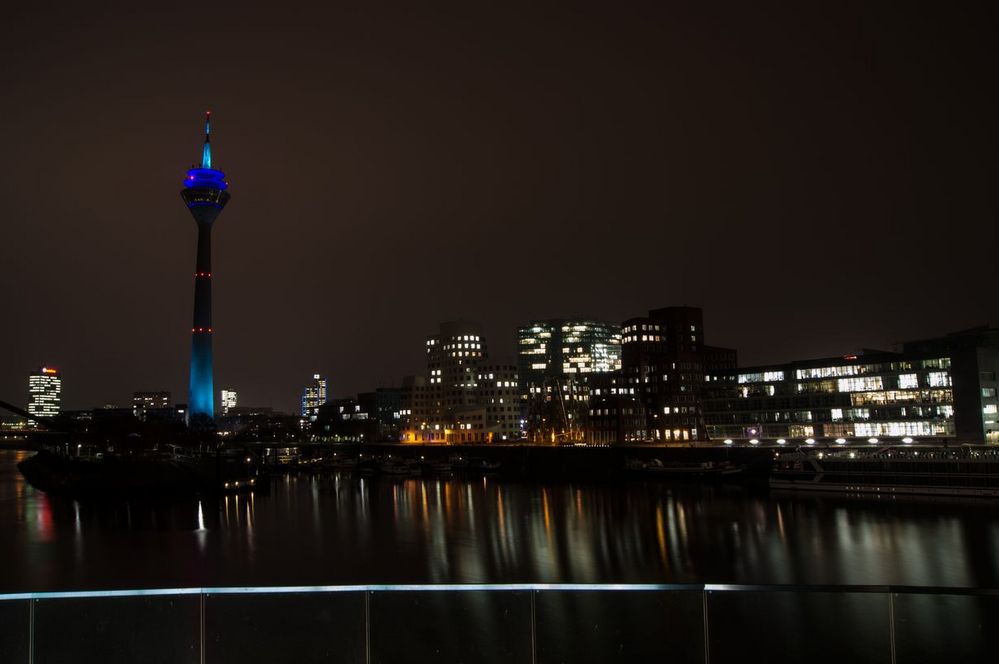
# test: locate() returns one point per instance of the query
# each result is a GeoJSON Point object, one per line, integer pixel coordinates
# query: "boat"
{"type": "Point", "coordinates": [892, 470]}
{"type": "Point", "coordinates": [436, 466]}
{"type": "Point", "coordinates": [150, 473]}
{"type": "Point", "coordinates": [390, 465]}
{"type": "Point", "coordinates": [474, 465]}
{"type": "Point", "coordinates": [700, 470]}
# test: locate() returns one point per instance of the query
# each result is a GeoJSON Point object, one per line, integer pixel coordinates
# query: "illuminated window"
{"type": "Point", "coordinates": [861, 384]}
{"type": "Point", "coordinates": [938, 379]}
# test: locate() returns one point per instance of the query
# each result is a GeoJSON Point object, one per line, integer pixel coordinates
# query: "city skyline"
{"type": "Point", "coordinates": [812, 206]}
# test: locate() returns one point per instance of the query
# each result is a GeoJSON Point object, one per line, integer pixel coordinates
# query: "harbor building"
{"type": "Point", "coordinates": [615, 415]}
{"type": "Point", "coordinates": [229, 399]}
{"type": "Point", "coordinates": [567, 347]}
{"type": "Point", "coordinates": [936, 389]}
{"type": "Point", "coordinates": [205, 195]}
{"type": "Point", "coordinates": [143, 402]}
{"type": "Point", "coordinates": [465, 397]}
{"type": "Point", "coordinates": [453, 358]}
{"type": "Point", "coordinates": [499, 393]}
{"type": "Point", "coordinates": [313, 397]}
{"type": "Point", "coordinates": [664, 358]}
{"type": "Point", "coordinates": [557, 359]}
{"type": "Point", "coordinates": [414, 408]}
{"type": "Point", "coordinates": [44, 392]}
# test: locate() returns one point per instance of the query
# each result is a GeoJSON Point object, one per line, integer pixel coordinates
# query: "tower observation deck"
{"type": "Point", "coordinates": [205, 195]}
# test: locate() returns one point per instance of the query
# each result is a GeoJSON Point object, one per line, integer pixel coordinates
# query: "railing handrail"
{"type": "Point", "coordinates": [507, 587]}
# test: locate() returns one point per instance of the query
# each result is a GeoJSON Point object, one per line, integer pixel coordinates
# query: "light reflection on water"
{"type": "Point", "coordinates": [338, 528]}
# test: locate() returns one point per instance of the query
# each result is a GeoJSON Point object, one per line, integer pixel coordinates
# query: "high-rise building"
{"type": "Point", "coordinates": [567, 347]}
{"type": "Point", "coordinates": [453, 355]}
{"type": "Point", "coordinates": [142, 402]}
{"type": "Point", "coordinates": [313, 397]}
{"type": "Point", "coordinates": [665, 360]}
{"type": "Point", "coordinates": [205, 195]}
{"type": "Point", "coordinates": [557, 361]}
{"type": "Point", "coordinates": [229, 400]}
{"type": "Point", "coordinates": [500, 395]}
{"type": "Point", "coordinates": [44, 392]}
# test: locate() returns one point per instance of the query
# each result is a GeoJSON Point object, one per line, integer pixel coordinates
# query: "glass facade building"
{"type": "Point", "coordinates": [313, 397]}
{"type": "Point", "coordinates": [229, 400]}
{"type": "Point", "coordinates": [44, 392]}
{"type": "Point", "coordinates": [943, 388]}
{"type": "Point", "coordinates": [567, 347]}
{"type": "Point", "coordinates": [557, 360]}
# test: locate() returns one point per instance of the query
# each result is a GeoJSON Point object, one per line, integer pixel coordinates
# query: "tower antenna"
{"type": "Point", "coordinates": [206, 152]}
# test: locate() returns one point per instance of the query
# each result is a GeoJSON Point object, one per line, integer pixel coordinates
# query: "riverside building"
{"type": "Point", "coordinates": [937, 389]}
{"type": "Point", "coordinates": [143, 402]}
{"type": "Point", "coordinates": [557, 360]}
{"type": "Point", "coordinates": [313, 397]}
{"type": "Point", "coordinates": [229, 400]}
{"type": "Point", "coordinates": [499, 393]}
{"type": "Point", "coordinates": [44, 392]}
{"type": "Point", "coordinates": [465, 398]}
{"type": "Point", "coordinates": [665, 360]}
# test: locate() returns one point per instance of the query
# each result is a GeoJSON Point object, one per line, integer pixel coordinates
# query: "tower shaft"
{"type": "Point", "coordinates": [202, 383]}
{"type": "Point", "coordinates": [205, 195]}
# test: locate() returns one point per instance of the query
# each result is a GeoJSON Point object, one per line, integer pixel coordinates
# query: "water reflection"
{"type": "Point", "coordinates": [339, 528]}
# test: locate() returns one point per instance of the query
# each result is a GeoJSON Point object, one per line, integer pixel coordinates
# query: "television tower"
{"type": "Point", "coordinates": [205, 195]}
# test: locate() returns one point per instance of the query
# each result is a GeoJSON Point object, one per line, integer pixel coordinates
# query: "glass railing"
{"type": "Point", "coordinates": [504, 623]}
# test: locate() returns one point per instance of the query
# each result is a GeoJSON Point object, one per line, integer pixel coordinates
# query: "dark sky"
{"type": "Point", "coordinates": [818, 181]}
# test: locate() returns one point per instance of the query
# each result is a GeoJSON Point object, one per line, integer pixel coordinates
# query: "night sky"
{"type": "Point", "coordinates": [817, 182]}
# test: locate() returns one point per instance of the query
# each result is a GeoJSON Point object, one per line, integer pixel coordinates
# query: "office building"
{"type": "Point", "coordinates": [499, 394]}
{"type": "Point", "coordinates": [557, 360]}
{"type": "Point", "coordinates": [229, 400]}
{"type": "Point", "coordinates": [147, 401]}
{"type": "Point", "coordinates": [665, 359]}
{"type": "Point", "coordinates": [615, 415]}
{"type": "Point", "coordinates": [567, 347]}
{"type": "Point", "coordinates": [44, 392]}
{"type": "Point", "coordinates": [465, 398]}
{"type": "Point", "coordinates": [938, 389]}
{"type": "Point", "coordinates": [414, 408]}
{"type": "Point", "coordinates": [453, 357]}
{"type": "Point", "coordinates": [205, 195]}
{"type": "Point", "coordinates": [384, 410]}
{"type": "Point", "coordinates": [313, 397]}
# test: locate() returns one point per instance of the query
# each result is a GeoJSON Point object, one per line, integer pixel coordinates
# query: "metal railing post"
{"type": "Point", "coordinates": [704, 614]}
{"type": "Point", "coordinates": [367, 627]}
{"type": "Point", "coordinates": [201, 620]}
{"type": "Point", "coordinates": [891, 625]}
{"type": "Point", "coordinates": [534, 629]}
{"type": "Point", "coordinates": [31, 631]}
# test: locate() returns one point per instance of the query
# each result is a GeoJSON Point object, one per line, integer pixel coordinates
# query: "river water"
{"type": "Point", "coordinates": [341, 529]}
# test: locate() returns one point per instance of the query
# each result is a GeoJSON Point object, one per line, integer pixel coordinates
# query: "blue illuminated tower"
{"type": "Point", "coordinates": [205, 195]}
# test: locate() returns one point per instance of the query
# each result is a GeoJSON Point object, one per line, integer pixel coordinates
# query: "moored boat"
{"type": "Point", "coordinates": [700, 470]}
{"type": "Point", "coordinates": [964, 471]}
{"type": "Point", "coordinates": [109, 473]}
